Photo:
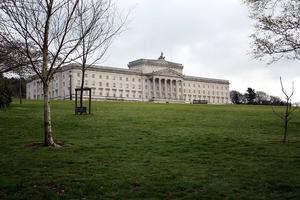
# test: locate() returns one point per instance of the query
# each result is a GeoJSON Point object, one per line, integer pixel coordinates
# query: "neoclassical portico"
{"type": "Point", "coordinates": [166, 88]}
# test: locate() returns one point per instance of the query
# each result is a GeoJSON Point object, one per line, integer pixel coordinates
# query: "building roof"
{"type": "Point", "coordinates": [102, 68]}
{"type": "Point", "coordinates": [158, 62]}
{"type": "Point", "coordinates": [202, 79]}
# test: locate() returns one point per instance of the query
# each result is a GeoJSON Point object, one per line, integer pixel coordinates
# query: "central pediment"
{"type": "Point", "coordinates": [167, 72]}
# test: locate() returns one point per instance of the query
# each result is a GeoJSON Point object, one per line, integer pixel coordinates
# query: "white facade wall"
{"type": "Point", "coordinates": [134, 84]}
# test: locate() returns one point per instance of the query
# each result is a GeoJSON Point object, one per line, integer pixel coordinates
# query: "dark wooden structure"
{"type": "Point", "coordinates": [82, 109]}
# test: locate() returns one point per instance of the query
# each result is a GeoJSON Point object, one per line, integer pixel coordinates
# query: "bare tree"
{"type": "Point", "coordinates": [13, 54]}
{"type": "Point", "coordinates": [277, 27]}
{"type": "Point", "coordinates": [286, 115]}
{"type": "Point", "coordinates": [262, 97]}
{"type": "Point", "coordinates": [49, 25]}
{"type": "Point", "coordinates": [104, 24]}
{"type": "Point", "coordinates": [13, 59]}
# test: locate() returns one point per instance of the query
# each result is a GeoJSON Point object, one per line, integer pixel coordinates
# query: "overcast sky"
{"type": "Point", "coordinates": [210, 38]}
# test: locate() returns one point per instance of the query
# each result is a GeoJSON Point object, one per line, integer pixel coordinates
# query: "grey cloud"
{"type": "Point", "coordinates": [210, 38]}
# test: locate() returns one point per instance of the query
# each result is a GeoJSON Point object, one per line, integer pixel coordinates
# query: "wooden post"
{"type": "Point", "coordinates": [76, 101]}
{"type": "Point", "coordinates": [90, 97]}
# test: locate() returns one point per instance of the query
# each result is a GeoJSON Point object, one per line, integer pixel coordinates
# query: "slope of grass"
{"type": "Point", "coordinates": [142, 150]}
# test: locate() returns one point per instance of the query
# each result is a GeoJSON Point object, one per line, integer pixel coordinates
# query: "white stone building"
{"type": "Point", "coordinates": [145, 80]}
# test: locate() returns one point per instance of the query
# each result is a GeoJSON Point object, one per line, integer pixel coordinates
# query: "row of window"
{"type": "Point", "coordinates": [133, 94]}
{"type": "Point", "coordinates": [107, 84]}
{"type": "Point", "coordinates": [108, 77]}
{"type": "Point", "coordinates": [221, 87]}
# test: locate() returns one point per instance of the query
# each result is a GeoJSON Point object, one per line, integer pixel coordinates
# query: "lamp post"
{"type": "Point", "coordinates": [70, 75]}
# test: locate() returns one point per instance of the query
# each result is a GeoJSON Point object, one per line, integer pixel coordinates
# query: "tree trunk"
{"type": "Point", "coordinates": [82, 71]}
{"type": "Point", "coordinates": [48, 138]}
{"type": "Point", "coordinates": [81, 87]}
{"type": "Point", "coordinates": [286, 120]}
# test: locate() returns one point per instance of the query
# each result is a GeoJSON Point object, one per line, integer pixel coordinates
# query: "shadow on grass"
{"type": "Point", "coordinates": [36, 145]}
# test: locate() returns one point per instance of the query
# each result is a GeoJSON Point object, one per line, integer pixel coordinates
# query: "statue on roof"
{"type": "Point", "coordinates": [161, 57]}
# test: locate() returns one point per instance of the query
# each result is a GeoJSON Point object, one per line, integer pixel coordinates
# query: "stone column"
{"type": "Point", "coordinates": [149, 89]}
{"type": "Point", "coordinates": [166, 89]}
{"type": "Point", "coordinates": [177, 92]}
{"type": "Point", "coordinates": [153, 83]}
{"type": "Point", "coordinates": [171, 88]}
{"type": "Point", "coordinates": [181, 90]}
{"type": "Point", "coordinates": [159, 82]}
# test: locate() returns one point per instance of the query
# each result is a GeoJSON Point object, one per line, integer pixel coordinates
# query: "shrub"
{"type": "Point", "coordinates": [5, 93]}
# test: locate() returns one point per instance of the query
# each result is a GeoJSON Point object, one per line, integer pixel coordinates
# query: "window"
{"type": "Point", "coordinates": [93, 83]}
{"type": "Point", "coordinates": [120, 85]}
{"type": "Point", "coordinates": [78, 74]}
{"type": "Point", "coordinates": [132, 79]}
{"type": "Point", "coordinates": [107, 84]}
{"type": "Point", "coordinates": [100, 76]}
{"type": "Point", "coordinates": [114, 84]}
{"type": "Point", "coordinates": [107, 77]}
{"type": "Point", "coordinates": [127, 85]}
{"type": "Point", "coordinates": [126, 78]}
{"type": "Point", "coordinates": [100, 83]}
{"type": "Point", "coordinates": [85, 75]}
{"type": "Point", "coordinates": [93, 75]}
{"type": "Point", "coordinates": [86, 83]}
{"type": "Point", "coordinates": [120, 78]}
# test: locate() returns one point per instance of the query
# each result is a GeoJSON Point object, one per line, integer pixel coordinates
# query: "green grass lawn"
{"type": "Point", "coordinates": [143, 150]}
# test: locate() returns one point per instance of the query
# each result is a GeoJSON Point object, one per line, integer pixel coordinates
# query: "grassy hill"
{"type": "Point", "coordinates": [143, 150]}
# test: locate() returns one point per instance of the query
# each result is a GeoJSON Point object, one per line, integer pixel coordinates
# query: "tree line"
{"type": "Point", "coordinates": [254, 98]}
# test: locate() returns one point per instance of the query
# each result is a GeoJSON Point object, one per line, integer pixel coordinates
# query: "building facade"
{"type": "Point", "coordinates": [155, 80]}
